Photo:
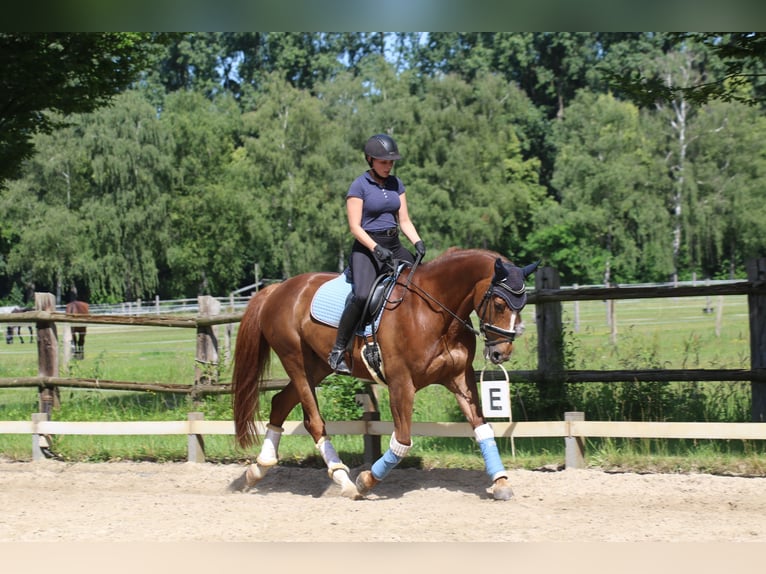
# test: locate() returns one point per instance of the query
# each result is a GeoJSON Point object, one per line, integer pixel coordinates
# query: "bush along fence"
{"type": "Point", "coordinates": [551, 376]}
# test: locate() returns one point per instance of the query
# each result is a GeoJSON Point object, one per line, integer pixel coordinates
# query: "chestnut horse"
{"type": "Point", "coordinates": [75, 307]}
{"type": "Point", "coordinates": [425, 336]}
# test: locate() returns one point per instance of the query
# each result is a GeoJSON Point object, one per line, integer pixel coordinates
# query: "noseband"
{"type": "Point", "coordinates": [509, 284]}
{"type": "Point", "coordinates": [486, 326]}
{"type": "Point", "coordinates": [516, 299]}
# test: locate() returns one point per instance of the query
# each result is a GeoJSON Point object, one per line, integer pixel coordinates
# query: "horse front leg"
{"type": "Point", "coordinates": [402, 399]}
{"type": "Point", "coordinates": [466, 393]}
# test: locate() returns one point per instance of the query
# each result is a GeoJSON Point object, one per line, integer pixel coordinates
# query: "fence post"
{"type": "Point", "coordinates": [195, 442]}
{"type": "Point", "coordinates": [369, 403]}
{"type": "Point", "coordinates": [39, 442]}
{"type": "Point", "coordinates": [47, 353]}
{"type": "Point", "coordinates": [67, 345]}
{"type": "Point", "coordinates": [206, 369]}
{"type": "Point", "coordinates": [574, 451]}
{"type": "Point", "coordinates": [756, 303]}
{"type": "Point", "coordinates": [550, 343]}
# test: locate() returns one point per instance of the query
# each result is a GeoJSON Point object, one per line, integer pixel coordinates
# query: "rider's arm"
{"type": "Point", "coordinates": [406, 225]}
{"type": "Point", "coordinates": [354, 214]}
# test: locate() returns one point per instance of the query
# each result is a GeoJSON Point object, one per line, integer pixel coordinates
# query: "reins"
{"type": "Point", "coordinates": [427, 295]}
{"type": "Point", "coordinates": [484, 328]}
{"type": "Point", "coordinates": [395, 266]}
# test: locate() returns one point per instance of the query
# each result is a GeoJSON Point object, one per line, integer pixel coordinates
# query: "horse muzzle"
{"type": "Point", "coordinates": [498, 350]}
{"type": "Point", "coordinates": [497, 354]}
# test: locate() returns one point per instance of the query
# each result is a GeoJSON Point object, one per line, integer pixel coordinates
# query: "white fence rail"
{"type": "Point", "coordinates": [573, 429]}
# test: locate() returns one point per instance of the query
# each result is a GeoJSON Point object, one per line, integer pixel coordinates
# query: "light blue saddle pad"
{"type": "Point", "coordinates": [330, 300]}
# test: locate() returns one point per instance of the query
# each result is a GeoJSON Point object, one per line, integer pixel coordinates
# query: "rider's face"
{"type": "Point", "coordinates": [382, 166]}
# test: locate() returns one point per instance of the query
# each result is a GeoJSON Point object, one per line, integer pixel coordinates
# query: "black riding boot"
{"type": "Point", "coordinates": [348, 323]}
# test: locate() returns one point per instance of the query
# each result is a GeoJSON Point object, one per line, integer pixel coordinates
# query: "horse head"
{"type": "Point", "coordinates": [502, 305]}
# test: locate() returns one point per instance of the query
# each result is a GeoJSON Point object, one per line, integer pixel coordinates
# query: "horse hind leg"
{"type": "Point", "coordinates": [266, 459]}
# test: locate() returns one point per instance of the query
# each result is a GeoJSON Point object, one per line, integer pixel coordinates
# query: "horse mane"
{"type": "Point", "coordinates": [452, 253]}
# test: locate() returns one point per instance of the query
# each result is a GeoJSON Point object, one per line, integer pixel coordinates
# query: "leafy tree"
{"type": "Point", "coordinates": [739, 71]}
{"type": "Point", "coordinates": [284, 139]}
{"type": "Point", "coordinates": [606, 177]}
{"type": "Point", "coordinates": [59, 72]}
{"type": "Point", "coordinates": [473, 184]}
{"type": "Point", "coordinates": [207, 211]}
{"type": "Point", "coordinates": [102, 222]}
{"type": "Point", "coordinates": [238, 148]}
{"type": "Point", "coordinates": [680, 69]}
{"type": "Point", "coordinates": [729, 168]}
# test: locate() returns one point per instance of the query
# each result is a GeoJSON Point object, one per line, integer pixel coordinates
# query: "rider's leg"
{"type": "Point", "coordinates": [348, 323]}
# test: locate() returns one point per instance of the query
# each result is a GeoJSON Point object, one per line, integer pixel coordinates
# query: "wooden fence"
{"type": "Point", "coordinates": [551, 375]}
{"type": "Point", "coordinates": [574, 429]}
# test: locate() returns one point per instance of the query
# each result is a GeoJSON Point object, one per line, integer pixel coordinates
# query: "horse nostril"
{"type": "Point", "coordinates": [497, 357]}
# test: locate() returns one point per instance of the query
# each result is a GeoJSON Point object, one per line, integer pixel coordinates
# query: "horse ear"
{"type": "Point", "coordinates": [500, 271]}
{"type": "Point", "coordinates": [529, 269]}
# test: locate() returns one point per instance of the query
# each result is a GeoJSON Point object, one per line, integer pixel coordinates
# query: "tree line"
{"type": "Point", "coordinates": [613, 157]}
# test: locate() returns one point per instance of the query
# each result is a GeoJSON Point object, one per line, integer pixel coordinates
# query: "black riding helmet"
{"type": "Point", "coordinates": [381, 146]}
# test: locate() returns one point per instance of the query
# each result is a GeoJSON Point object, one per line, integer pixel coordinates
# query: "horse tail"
{"type": "Point", "coordinates": [252, 357]}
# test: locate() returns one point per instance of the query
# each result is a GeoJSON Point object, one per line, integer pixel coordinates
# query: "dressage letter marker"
{"type": "Point", "coordinates": [495, 399]}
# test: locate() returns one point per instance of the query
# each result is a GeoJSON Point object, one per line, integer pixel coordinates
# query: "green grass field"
{"type": "Point", "coordinates": [652, 333]}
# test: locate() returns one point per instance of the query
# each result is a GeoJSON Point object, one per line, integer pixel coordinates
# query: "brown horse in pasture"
{"type": "Point", "coordinates": [75, 307]}
{"type": "Point", "coordinates": [425, 336]}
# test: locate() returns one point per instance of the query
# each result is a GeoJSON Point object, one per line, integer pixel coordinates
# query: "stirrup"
{"type": "Point", "coordinates": [337, 361]}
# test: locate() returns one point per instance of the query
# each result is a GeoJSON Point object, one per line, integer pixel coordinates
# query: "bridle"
{"type": "Point", "coordinates": [486, 328]}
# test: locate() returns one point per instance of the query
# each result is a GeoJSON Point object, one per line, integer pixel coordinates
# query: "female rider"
{"type": "Point", "coordinates": [376, 207]}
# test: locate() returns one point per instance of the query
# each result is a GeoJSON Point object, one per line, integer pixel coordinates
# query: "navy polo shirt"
{"type": "Point", "coordinates": [380, 203]}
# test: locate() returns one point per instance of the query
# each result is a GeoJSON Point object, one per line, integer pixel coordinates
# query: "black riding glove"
{"type": "Point", "coordinates": [383, 255]}
{"type": "Point", "coordinates": [420, 247]}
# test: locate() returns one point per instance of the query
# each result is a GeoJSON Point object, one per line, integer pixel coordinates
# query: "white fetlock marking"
{"type": "Point", "coordinates": [269, 455]}
{"type": "Point", "coordinates": [329, 455]}
{"type": "Point", "coordinates": [398, 448]}
{"type": "Point", "coordinates": [483, 432]}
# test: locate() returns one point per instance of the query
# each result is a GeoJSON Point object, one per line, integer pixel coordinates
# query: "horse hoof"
{"type": "Point", "coordinates": [365, 482]}
{"type": "Point", "coordinates": [339, 476]}
{"type": "Point", "coordinates": [501, 490]}
{"type": "Point", "coordinates": [350, 490]}
{"type": "Point", "coordinates": [254, 473]}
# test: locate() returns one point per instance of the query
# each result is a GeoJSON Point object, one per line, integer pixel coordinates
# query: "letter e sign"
{"type": "Point", "coordinates": [495, 399]}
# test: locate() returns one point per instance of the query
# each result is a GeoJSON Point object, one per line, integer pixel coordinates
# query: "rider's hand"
{"type": "Point", "coordinates": [383, 255]}
{"type": "Point", "coordinates": [420, 247]}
